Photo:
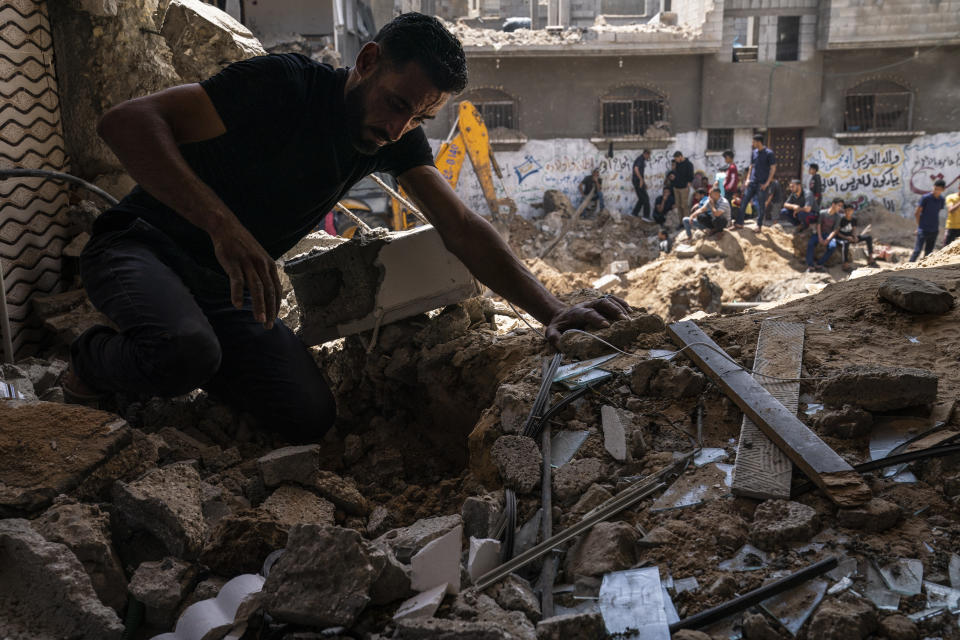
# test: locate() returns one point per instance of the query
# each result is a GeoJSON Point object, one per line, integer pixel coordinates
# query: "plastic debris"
{"type": "Point", "coordinates": [941, 596]}
{"type": "Point", "coordinates": [913, 339]}
{"type": "Point", "coordinates": [685, 584]}
{"type": "Point", "coordinates": [7, 390]}
{"type": "Point", "coordinates": [564, 445]}
{"type": "Point", "coordinates": [576, 369]}
{"type": "Point", "coordinates": [905, 576]}
{"type": "Point", "coordinates": [422, 605]}
{"type": "Point", "coordinates": [747, 558]}
{"type": "Point", "coordinates": [708, 455]}
{"type": "Point", "coordinates": [701, 485]}
{"type": "Point", "coordinates": [813, 408]}
{"type": "Point", "coordinates": [669, 609]}
{"type": "Point", "coordinates": [632, 604]}
{"type": "Point", "coordinates": [877, 591]}
{"type": "Point", "coordinates": [845, 568]}
{"type": "Point", "coordinates": [200, 618]}
{"type": "Point", "coordinates": [594, 375]}
{"type": "Point", "coordinates": [927, 614]}
{"type": "Point", "coordinates": [844, 584]}
{"type": "Point", "coordinates": [954, 571]}
{"type": "Point", "coordinates": [793, 607]}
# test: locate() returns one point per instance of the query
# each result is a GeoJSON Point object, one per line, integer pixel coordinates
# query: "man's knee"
{"type": "Point", "coordinates": [183, 360]}
{"type": "Point", "coordinates": [307, 416]}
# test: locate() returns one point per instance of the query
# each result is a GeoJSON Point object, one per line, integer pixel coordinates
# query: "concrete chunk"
{"type": "Point", "coordinates": [484, 557]}
{"type": "Point", "coordinates": [574, 625]}
{"type": "Point", "coordinates": [875, 516]}
{"type": "Point", "coordinates": [407, 541]}
{"type": "Point", "coordinates": [422, 605]}
{"type": "Point", "coordinates": [290, 464]}
{"type": "Point", "coordinates": [777, 523]}
{"type": "Point", "coordinates": [292, 505]}
{"type": "Point", "coordinates": [438, 563]}
{"type": "Point", "coordinates": [614, 435]}
{"type": "Point", "coordinates": [161, 587]}
{"type": "Point", "coordinates": [879, 388]}
{"type": "Point", "coordinates": [437, 629]}
{"type": "Point", "coordinates": [916, 295]}
{"type": "Point", "coordinates": [376, 280]}
{"type": "Point", "coordinates": [519, 461]}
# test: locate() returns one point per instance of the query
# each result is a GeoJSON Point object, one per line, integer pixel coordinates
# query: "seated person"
{"type": "Point", "coordinates": [663, 205]}
{"type": "Point", "coordinates": [847, 235]}
{"type": "Point", "coordinates": [825, 234]}
{"type": "Point", "coordinates": [710, 216]}
{"type": "Point", "coordinates": [671, 177]}
{"type": "Point", "coordinates": [590, 184]}
{"type": "Point", "coordinates": [698, 198]}
{"type": "Point", "coordinates": [800, 207]}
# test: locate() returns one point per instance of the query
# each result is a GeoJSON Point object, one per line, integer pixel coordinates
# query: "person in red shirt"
{"type": "Point", "coordinates": [733, 175]}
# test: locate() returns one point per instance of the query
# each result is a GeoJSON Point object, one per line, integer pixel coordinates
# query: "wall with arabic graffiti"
{"type": "Point", "coordinates": [892, 174]}
{"type": "Point", "coordinates": [562, 163]}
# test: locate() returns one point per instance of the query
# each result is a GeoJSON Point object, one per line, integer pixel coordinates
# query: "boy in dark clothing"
{"type": "Point", "coordinates": [798, 210]}
{"type": "Point", "coordinates": [847, 235]}
{"type": "Point", "coordinates": [825, 235]}
{"type": "Point", "coordinates": [816, 185]}
{"type": "Point", "coordinates": [763, 169]}
{"type": "Point", "coordinates": [928, 220]}
{"type": "Point", "coordinates": [663, 205]}
{"type": "Point", "coordinates": [683, 176]}
{"type": "Point", "coordinates": [642, 208]}
{"type": "Point", "coordinates": [732, 177]}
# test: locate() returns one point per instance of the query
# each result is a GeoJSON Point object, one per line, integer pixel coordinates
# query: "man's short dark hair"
{"type": "Point", "coordinates": [728, 153]}
{"type": "Point", "coordinates": [940, 183]}
{"type": "Point", "coordinates": [837, 201]}
{"type": "Point", "coordinates": [703, 191]}
{"type": "Point", "coordinates": [415, 37]}
{"type": "Point", "coordinates": [645, 151]}
{"type": "Point", "coordinates": [758, 137]}
{"type": "Point", "coordinates": [678, 154]}
{"type": "Point", "coordinates": [848, 205]}
{"type": "Point", "coordinates": [796, 181]}
{"type": "Point", "coordinates": [815, 166]}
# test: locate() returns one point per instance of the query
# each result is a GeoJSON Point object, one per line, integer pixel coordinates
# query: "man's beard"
{"type": "Point", "coordinates": [356, 114]}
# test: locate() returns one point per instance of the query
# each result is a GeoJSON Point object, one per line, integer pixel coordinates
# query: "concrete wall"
{"type": "Point", "coordinates": [893, 174]}
{"type": "Point", "coordinates": [274, 21]}
{"type": "Point", "coordinates": [560, 97]}
{"type": "Point", "coordinates": [933, 76]}
{"type": "Point", "coordinates": [562, 163]}
{"type": "Point", "coordinates": [853, 24]}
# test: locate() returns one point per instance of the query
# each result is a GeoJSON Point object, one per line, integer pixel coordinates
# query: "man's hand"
{"type": "Point", "coordinates": [246, 263]}
{"type": "Point", "coordinates": [592, 314]}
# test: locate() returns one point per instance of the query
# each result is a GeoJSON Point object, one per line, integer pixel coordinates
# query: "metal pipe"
{"type": "Point", "coordinates": [546, 489]}
{"type": "Point", "coordinates": [756, 596]}
{"type": "Point", "coordinates": [56, 175]}
{"type": "Point", "coordinates": [5, 320]}
{"type": "Point", "coordinates": [738, 306]}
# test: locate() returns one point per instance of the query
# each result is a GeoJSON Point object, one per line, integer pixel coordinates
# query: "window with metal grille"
{"type": "Point", "coordinates": [496, 107]}
{"type": "Point", "coordinates": [719, 139]}
{"type": "Point", "coordinates": [632, 111]}
{"type": "Point", "coordinates": [878, 106]}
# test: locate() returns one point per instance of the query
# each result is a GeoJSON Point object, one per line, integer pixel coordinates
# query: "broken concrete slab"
{"type": "Point", "coordinates": [879, 388]}
{"type": "Point", "coordinates": [574, 625]}
{"type": "Point", "coordinates": [407, 541]}
{"type": "Point", "coordinates": [777, 523]}
{"type": "Point", "coordinates": [240, 542]}
{"type": "Point", "coordinates": [847, 422]}
{"type": "Point", "coordinates": [422, 605]}
{"type": "Point", "coordinates": [291, 505]}
{"type": "Point", "coordinates": [480, 515]}
{"type": "Point", "coordinates": [677, 382]}
{"type": "Point", "coordinates": [323, 579]}
{"type": "Point", "coordinates": [513, 593]}
{"type": "Point", "coordinates": [50, 448]}
{"type": "Point", "coordinates": [620, 334]}
{"type": "Point", "coordinates": [483, 556]}
{"type": "Point", "coordinates": [129, 463]}
{"type": "Point", "coordinates": [393, 577]}
{"type": "Point", "coordinates": [875, 516]}
{"type": "Point", "coordinates": [573, 478]}
{"type": "Point", "coordinates": [375, 280]}
{"type": "Point", "coordinates": [476, 606]}
{"type": "Point", "coordinates": [916, 295]}
{"type": "Point", "coordinates": [46, 594]}
{"type": "Point", "coordinates": [519, 462]}
{"type": "Point", "coordinates": [205, 39]}
{"type": "Point", "coordinates": [438, 629]}
{"type": "Point", "coordinates": [609, 546]}
{"type": "Point", "coordinates": [220, 606]}
{"type": "Point", "coordinates": [85, 530]}
{"type": "Point", "coordinates": [438, 562]}
{"type": "Point", "coordinates": [592, 498]}
{"type": "Point", "coordinates": [342, 492]}
{"type": "Point", "coordinates": [290, 464]}
{"type": "Point", "coordinates": [607, 282]}
{"type": "Point", "coordinates": [167, 503]}
{"type": "Point", "coordinates": [614, 434]}
{"type": "Point", "coordinates": [845, 617]}
{"type": "Point", "coordinates": [643, 372]}
{"type": "Point", "coordinates": [161, 586]}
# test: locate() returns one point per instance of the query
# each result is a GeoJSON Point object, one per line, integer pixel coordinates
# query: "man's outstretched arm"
{"type": "Point", "coordinates": [478, 245]}
{"type": "Point", "coordinates": [145, 133]}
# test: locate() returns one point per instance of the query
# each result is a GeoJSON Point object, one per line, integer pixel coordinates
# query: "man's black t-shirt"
{"type": "Point", "coordinates": [684, 172]}
{"type": "Point", "coordinates": [640, 164]}
{"type": "Point", "coordinates": [847, 226]}
{"type": "Point", "coordinates": [285, 160]}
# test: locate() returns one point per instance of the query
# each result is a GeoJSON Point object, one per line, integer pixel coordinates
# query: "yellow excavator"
{"type": "Point", "coordinates": [468, 137]}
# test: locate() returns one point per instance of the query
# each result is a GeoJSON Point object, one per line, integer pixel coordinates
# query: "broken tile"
{"type": "Point", "coordinates": [927, 614]}
{"type": "Point", "coordinates": [905, 576]}
{"type": "Point", "coordinates": [941, 596]}
{"type": "Point", "coordinates": [422, 605]}
{"type": "Point", "coordinates": [954, 571]}
{"type": "Point", "coordinates": [614, 434]}
{"type": "Point", "coordinates": [696, 487]}
{"type": "Point", "coordinates": [633, 601]}
{"type": "Point", "coordinates": [685, 584]}
{"type": "Point", "coordinates": [747, 558]}
{"type": "Point", "coordinates": [841, 586]}
{"type": "Point", "coordinates": [438, 563]}
{"type": "Point", "coordinates": [877, 591]}
{"type": "Point", "coordinates": [846, 567]}
{"type": "Point", "coordinates": [793, 607]}
{"type": "Point", "coordinates": [484, 556]}
{"type": "Point", "coordinates": [708, 455]}
{"type": "Point", "coordinates": [564, 445]}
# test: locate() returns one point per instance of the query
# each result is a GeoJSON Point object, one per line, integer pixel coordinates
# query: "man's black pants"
{"type": "Point", "coordinates": [643, 200]}
{"type": "Point", "coordinates": [179, 331]}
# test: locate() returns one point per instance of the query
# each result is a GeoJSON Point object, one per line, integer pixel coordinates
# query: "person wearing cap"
{"type": "Point", "coordinates": [825, 235]}
{"type": "Point", "coordinates": [763, 169]}
{"type": "Point", "coordinates": [683, 172]}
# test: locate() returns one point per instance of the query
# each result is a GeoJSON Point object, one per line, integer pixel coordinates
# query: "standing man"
{"type": "Point", "coordinates": [683, 170]}
{"type": "Point", "coordinates": [763, 168]}
{"type": "Point", "coordinates": [825, 234]}
{"type": "Point", "coordinates": [928, 220]}
{"type": "Point", "coordinates": [953, 218]}
{"type": "Point", "coordinates": [732, 176]}
{"type": "Point", "coordinates": [232, 172]}
{"type": "Point", "coordinates": [640, 185]}
{"type": "Point", "coordinates": [816, 185]}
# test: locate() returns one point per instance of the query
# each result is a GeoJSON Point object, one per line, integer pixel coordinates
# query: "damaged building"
{"type": "Point", "coordinates": [756, 452]}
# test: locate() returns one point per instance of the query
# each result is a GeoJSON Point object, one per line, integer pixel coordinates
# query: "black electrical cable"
{"type": "Point", "coordinates": [56, 175]}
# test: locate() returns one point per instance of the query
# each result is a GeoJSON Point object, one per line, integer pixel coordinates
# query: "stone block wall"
{"type": "Point", "coordinates": [853, 24]}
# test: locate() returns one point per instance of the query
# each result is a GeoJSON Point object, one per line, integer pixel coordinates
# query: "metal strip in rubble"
{"type": "Point", "coordinates": [762, 470]}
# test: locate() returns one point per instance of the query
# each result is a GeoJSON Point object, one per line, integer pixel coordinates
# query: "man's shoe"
{"type": "Point", "coordinates": [76, 390]}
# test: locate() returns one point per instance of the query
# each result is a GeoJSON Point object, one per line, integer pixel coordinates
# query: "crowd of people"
{"type": "Point", "coordinates": [726, 201]}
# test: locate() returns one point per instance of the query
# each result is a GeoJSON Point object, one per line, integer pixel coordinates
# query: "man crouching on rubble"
{"type": "Point", "coordinates": [232, 172]}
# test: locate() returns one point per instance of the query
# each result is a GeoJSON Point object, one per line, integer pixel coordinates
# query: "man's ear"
{"type": "Point", "coordinates": [369, 57]}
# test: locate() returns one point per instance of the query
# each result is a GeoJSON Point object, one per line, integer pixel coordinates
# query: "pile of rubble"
{"type": "Point", "coordinates": [163, 510]}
